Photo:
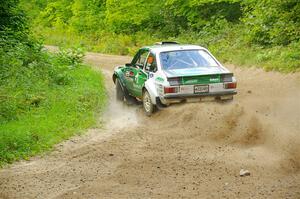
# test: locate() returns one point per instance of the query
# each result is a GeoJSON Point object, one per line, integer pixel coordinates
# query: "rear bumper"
{"type": "Point", "coordinates": [184, 96]}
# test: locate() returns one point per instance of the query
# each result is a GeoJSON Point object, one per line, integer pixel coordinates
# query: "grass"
{"type": "Point", "coordinates": [285, 59]}
{"type": "Point", "coordinates": [226, 46]}
{"type": "Point", "coordinates": [108, 43]}
{"type": "Point", "coordinates": [64, 111]}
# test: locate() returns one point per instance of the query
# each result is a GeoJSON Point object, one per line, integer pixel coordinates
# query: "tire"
{"type": "Point", "coordinates": [149, 108]}
{"type": "Point", "coordinates": [119, 91]}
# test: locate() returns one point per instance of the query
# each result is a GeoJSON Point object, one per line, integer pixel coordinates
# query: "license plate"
{"type": "Point", "coordinates": [201, 89]}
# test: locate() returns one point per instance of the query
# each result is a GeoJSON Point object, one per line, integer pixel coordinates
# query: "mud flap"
{"type": "Point", "coordinates": [129, 100]}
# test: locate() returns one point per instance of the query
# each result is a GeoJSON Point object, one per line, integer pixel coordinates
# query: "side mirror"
{"type": "Point", "coordinates": [128, 65]}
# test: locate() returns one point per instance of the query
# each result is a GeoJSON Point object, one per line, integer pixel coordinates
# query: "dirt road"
{"type": "Point", "coordinates": [185, 151]}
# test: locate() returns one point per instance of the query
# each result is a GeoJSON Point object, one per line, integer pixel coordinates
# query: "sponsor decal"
{"type": "Point", "coordinates": [160, 79]}
{"type": "Point", "coordinates": [137, 86]}
{"type": "Point", "coordinates": [127, 74]}
{"type": "Point", "coordinates": [192, 81]}
{"type": "Point", "coordinates": [214, 79]}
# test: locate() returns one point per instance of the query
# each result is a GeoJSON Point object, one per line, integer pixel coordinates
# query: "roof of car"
{"type": "Point", "coordinates": [172, 47]}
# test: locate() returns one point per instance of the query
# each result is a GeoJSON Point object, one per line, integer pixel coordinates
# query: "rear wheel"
{"type": "Point", "coordinates": [147, 104]}
{"type": "Point", "coordinates": [119, 91]}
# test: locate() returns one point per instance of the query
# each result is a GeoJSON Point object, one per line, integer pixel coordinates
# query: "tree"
{"type": "Point", "coordinates": [272, 22]}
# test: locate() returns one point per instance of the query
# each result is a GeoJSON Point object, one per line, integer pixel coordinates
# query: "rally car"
{"type": "Point", "coordinates": [168, 72]}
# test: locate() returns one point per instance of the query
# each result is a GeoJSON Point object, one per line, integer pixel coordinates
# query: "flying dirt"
{"type": "Point", "coordinates": [189, 150]}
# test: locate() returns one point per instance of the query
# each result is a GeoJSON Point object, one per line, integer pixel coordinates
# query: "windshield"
{"type": "Point", "coordinates": [185, 59]}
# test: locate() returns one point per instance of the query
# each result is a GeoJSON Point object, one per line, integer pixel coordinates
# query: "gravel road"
{"type": "Point", "coordinates": [193, 150]}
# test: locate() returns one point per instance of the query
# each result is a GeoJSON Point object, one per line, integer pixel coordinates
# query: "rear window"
{"type": "Point", "coordinates": [185, 59]}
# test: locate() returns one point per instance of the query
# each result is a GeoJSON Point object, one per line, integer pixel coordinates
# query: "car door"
{"type": "Point", "coordinates": [148, 70]}
{"type": "Point", "coordinates": [145, 72]}
{"type": "Point", "coordinates": [134, 75]}
{"type": "Point", "coordinates": [140, 75]}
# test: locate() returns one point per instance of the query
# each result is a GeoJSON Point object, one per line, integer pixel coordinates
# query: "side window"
{"type": "Point", "coordinates": [151, 64]}
{"type": "Point", "coordinates": [140, 58]}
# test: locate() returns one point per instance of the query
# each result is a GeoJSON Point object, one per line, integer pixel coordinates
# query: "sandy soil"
{"type": "Point", "coordinates": [185, 151]}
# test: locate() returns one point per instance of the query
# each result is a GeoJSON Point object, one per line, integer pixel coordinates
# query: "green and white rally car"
{"type": "Point", "coordinates": [168, 72]}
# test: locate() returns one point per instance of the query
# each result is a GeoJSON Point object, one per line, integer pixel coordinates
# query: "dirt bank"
{"type": "Point", "coordinates": [185, 151]}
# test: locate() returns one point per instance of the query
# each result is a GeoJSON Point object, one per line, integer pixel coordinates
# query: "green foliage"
{"type": "Point", "coordinates": [198, 13]}
{"type": "Point", "coordinates": [56, 113]}
{"type": "Point", "coordinates": [124, 16]}
{"type": "Point", "coordinates": [118, 26]}
{"type": "Point", "coordinates": [71, 56]}
{"type": "Point", "coordinates": [272, 22]}
{"type": "Point", "coordinates": [56, 14]}
{"type": "Point", "coordinates": [44, 98]}
{"type": "Point", "coordinates": [11, 17]}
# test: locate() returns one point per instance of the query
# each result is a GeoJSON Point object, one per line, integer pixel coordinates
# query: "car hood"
{"type": "Point", "coordinates": [196, 71]}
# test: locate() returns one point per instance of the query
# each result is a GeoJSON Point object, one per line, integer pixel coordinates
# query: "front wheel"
{"type": "Point", "coordinates": [147, 104]}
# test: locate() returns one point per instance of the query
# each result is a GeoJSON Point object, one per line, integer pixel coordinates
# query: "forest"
{"type": "Point", "coordinates": [242, 32]}
{"type": "Point", "coordinates": [47, 97]}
